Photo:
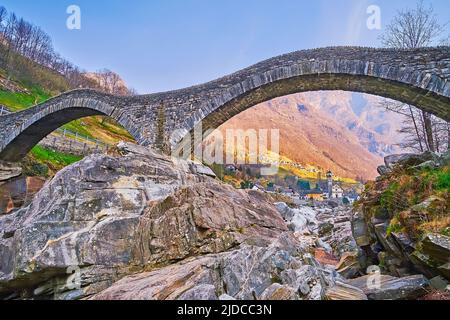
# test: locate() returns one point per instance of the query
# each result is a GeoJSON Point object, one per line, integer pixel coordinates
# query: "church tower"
{"type": "Point", "coordinates": [330, 184]}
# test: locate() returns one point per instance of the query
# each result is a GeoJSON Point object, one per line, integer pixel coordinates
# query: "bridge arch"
{"type": "Point", "coordinates": [38, 122]}
{"type": "Point", "coordinates": [417, 77]}
{"type": "Point", "coordinates": [420, 77]}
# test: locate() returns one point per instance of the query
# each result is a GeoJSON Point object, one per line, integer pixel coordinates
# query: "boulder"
{"type": "Point", "coordinates": [438, 283]}
{"type": "Point", "coordinates": [360, 230]}
{"type": "Point", "coordinates": [391, 288]}
{"type": "Point", "coordinates": [437, 246]}
{"type": "Point", "coordinates": [286, 212]}
{"type": "Point", "coordinates": [386, 240]}
{"type": "Point", "coordinates": [277, 291]}
{"type": "Point", "coordinates": [247, 273]}
{"type": "Point", "coordinates": [333, 204]}
{"type": "Point", "coordinates": [325, 228]}
{"type": "Point", "coordinates": [110, 216]}
{"type": "Point", "coordinates": [430, 164]}
{"type": "Point", "coordinates": [342, 291]}
{"type": "Point", "coordinates": [432, 255]}
{"type": "Point", "coordinates": [325, 258]}
{"type": "Point", "coordinates": [348, 266]}
{"type": "Point", "coordinates": [308, 280]}
{"type": "Point", "coordinates": [298, 219]}
{"type": "Point", "coordinates": [408, 159]}
{"type": "Point", "coordinates": [201, 169]}
{"type": "Point", "coordinates": [9, 170]}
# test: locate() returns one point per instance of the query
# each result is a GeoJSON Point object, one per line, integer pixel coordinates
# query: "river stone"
{"type": "Point", "coordinates": [286, 212]}
{"type": "Point", "coordinates": [342, 291]}
{"type": "Point", "coordinates": [348, 266]}
{"type": "Point", "coordinates": [245, 273]}
{"type": "Point", "coordinates": [277, 291]}
{"type": "Point", "coordinates": [392, 288]}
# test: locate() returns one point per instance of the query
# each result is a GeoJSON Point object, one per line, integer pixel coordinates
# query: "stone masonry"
{"type": "Point", "coordinates": [420, 77]}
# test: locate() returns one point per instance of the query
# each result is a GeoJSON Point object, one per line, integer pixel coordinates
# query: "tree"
{"type": "Point", "coordinates": [18, 38]}
{"type": "Point", "coordinates": [411, 29]}
{"type": "Point", "coordinates": [3, 17]}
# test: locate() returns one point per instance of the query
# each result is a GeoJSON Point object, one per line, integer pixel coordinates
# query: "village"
{"type": "Point", "coordinates": [324, 187]}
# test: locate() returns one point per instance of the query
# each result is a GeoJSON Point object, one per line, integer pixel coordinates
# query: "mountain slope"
{"type": "Point", "coordinates": [376, 128]}
{"type": "Point", "coordinates": [323, 129]}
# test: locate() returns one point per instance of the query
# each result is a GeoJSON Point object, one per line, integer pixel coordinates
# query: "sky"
{"type": "Point", "coordinates": [160, 45]}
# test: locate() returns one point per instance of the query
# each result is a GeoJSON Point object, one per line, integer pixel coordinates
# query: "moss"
{"type": "Point", "coordinates": [394, 227]}
{"type": "Point", "coordinates": [417, 201]}
{"type": "Point", "coordinates": [390, 199]}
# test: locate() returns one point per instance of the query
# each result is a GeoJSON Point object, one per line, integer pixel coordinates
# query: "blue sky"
{"type": "Point", "coordinates": [158, 45]}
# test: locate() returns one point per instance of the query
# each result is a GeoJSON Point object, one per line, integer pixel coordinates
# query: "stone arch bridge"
{"type": "Point", "coordinates": [420, 77]}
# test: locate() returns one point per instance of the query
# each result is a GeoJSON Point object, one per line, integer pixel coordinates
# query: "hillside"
{"type": "Point", "coordinates": [376, 128]}
{"type": "Point", "coordinates": [311, 134]}
{"type": "Point", "coordinates": [21, 91]}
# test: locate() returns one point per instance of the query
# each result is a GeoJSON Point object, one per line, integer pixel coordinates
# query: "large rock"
{"type": "Point", "coordinates": [18, 192]}
{"type": "Point", "coordinates": [349, 265]}
{"type": "Point", "coordinates": [437, 246]}
{"type": "Point", "coordinates": [9, 170]}
{"type": "Point", "coordinates": [360, 230]}
{"type": "Point", "coordinates": [408, 159]}
{"type": "Point", "coordinates": [342, 291]}
{"type": "Point", "coordinates": [301, 219]}
{"type": "Point", "coordinates": [432, 255]}
{"type": "Point", "coordinates": [277, 291]}
{"type": "Point", "coordinates": [382, 170]}
{"type": "Point", "coordinates": [106, 217]}
{"type": "Point", "coordinates": [391, 288]}
{"type": "Point", "coordinates": [249, 272]}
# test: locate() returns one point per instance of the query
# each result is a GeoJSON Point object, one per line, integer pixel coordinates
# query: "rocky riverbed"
{"type": "Point", "coordinates": [145, 226]}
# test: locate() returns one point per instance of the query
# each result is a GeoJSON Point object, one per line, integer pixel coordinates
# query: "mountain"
{"type": "Point", "coordinates": [376, 128]}
{"type": "Point", "coordinates": [338, 131]}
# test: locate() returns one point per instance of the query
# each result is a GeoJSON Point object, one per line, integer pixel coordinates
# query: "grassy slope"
{"type": "Point", "coordinates": [26, 78]}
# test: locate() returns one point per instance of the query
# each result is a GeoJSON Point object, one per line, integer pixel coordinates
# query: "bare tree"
{"type": "Point", "coordinates": [411, 29]}
{"type": "Point", "coordinates": [21, 38]}
{"type": "Point", "coordinates": [3, 17]}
